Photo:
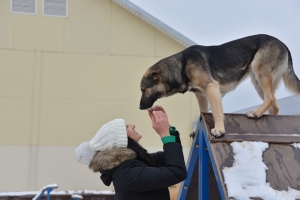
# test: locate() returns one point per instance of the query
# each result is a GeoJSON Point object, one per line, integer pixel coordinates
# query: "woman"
{"type": "Point", "coordinates": [136, 175]}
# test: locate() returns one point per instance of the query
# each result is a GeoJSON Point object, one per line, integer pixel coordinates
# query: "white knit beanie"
{"type": "Point", "coordinates": [111, 135]}
{"type": "Point", "coordinates": [84, 154]}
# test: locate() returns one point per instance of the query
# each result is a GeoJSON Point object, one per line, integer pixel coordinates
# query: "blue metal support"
{"type": "Point", "coordinates": [47, 188]}
{"type": "Point", "coordinates": [203, 168]}
{"type": "Point", "coordinates": [200, 151]}
{"type": "Point", "coordinates": [48, 193]}
{"type": "Point", "coordinates": [190, 167]}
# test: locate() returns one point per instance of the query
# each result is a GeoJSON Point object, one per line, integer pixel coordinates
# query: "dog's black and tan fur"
{"type": "Point", "coordinates": [210, 71]}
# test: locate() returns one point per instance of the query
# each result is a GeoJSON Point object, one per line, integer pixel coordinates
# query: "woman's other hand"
{"type": "Point", "coordinates": [155, 108]}
{"type": "Point", "coordinates": [160, 123]}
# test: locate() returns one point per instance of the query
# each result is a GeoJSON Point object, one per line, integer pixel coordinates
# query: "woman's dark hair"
{"type": "Point", "coordinates": [142, 153]}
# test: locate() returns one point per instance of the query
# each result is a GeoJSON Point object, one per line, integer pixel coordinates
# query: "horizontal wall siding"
{"type": "Point", "coordinates": [87, 28]}
{"type": "Point", "coordinates": [62, 78]}
{"type": "Point", "coordinates": [164, 45]}
{"type": "Point", "coordinates": [131, 35]}
{"type": "Point", "coordinates": [53, 164]}
{"type": "Point", "coordinates": [16, 87]}
{"type": "Point", "coordinates": [6, 25]}
{"type": "Point", "coordinates": [90, 90]}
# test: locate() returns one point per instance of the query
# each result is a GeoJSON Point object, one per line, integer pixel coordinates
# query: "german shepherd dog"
{"type": "Point", "coordinates": [209, 71]}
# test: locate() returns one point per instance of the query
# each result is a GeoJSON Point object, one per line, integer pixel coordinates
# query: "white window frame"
{"type": "Point", "coordinates": [35, 11]}
{"type": "Point", "coordinates": [67, 9]}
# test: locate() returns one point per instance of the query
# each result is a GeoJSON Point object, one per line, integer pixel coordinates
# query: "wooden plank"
{"type": "Point", "coordinates": [269, 128]}
{"type": "Point", "coordinates": [223, 157]}
{"type": "Point", "coordinates": [283, 162]}
{"type": "Point", "coordinates": [282, 159]}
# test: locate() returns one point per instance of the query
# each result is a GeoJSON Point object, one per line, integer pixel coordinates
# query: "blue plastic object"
{"type": "Point", "coordinates": [200, 149]}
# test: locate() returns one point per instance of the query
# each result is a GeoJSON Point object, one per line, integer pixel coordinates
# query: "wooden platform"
{"type": "Point", "coordinates": [281, 158]}
{"type": "Point", "coordinates": [283, 129]}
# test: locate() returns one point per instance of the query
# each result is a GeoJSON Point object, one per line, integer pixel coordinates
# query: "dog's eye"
{"type": "Point", "coordinates": [155, 77]}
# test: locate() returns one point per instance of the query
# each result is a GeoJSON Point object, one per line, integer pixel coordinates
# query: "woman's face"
{"type": "Point", "coordinates": [132, 133]}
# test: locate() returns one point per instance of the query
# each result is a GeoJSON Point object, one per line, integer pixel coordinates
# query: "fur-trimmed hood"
{"type": "Point", "coordinates": [109, 159]}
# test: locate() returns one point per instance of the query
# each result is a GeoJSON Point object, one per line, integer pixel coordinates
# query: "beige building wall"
{"type": "Point", "coordinates": [62, 78]}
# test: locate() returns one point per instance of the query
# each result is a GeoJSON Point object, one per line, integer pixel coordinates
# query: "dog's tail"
{"type": "Point", "coordinates": [291, 81]}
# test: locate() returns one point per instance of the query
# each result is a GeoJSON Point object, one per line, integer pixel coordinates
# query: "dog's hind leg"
{"type": "Point", "coordinates": [267, 68]}
{"type": "Point", "coordinates": [213, 95]}
{"type": "Point", "coordinates": [265, 83]}
{"type": "Point", "coordinates": [274, 109]}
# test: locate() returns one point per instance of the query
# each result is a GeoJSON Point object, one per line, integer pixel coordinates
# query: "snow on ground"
{"type": "Point", "coordinates": [296, 145]}
{"type": "Point", "coordinates": [247, 177]}
{"type": "Point", "coordinates": [67, 192]}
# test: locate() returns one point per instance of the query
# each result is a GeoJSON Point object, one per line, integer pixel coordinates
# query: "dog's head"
{"type": "Point", "coordinates": [161, 80]}
{"type": "Point", "coordinates": [152, 88]}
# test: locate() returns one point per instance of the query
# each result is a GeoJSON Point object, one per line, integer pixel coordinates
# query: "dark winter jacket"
{"type": "Point", "coordinates": [134, 179]}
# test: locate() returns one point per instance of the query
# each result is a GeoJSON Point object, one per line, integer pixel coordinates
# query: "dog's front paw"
{"type": "Point", "coordinates": [252, 114]}
{"type": "Point", "coordinates": [215, 132]}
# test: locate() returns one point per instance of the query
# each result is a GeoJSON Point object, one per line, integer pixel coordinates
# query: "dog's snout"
{"type": "Point", "coordinates": [145, 104]}
{"type": "Point", "coordinates": [146, 101]}
{"type": "Point", "coordinates": [142, 107]}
